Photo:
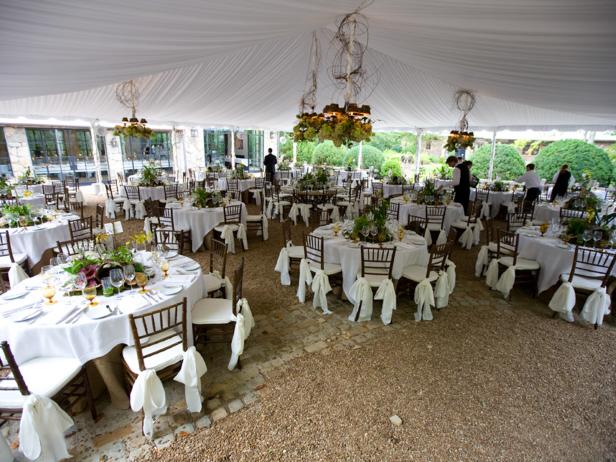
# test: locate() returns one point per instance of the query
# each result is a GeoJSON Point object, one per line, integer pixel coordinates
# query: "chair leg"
{"type": "Point", "coordinates": [89, 397]}
{"type": "Point", "coordinates": [596, 326]}
{"type": "Point", "coordinates": [358, 311]}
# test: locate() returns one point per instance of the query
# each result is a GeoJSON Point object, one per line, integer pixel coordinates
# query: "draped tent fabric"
{"type": "Point", "coordinates": [532, 63]}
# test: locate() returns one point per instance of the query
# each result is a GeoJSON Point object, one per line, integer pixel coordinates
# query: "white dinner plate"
{"type": "Point", "coordinates": [26, 314]}
{"type": "Point", "coordinates": [169, 289]}
{"type": "Point", "coordinates": [98, 312]}
{"type": "Point", "coordinates": [13, 294]}
{"type": "Point", "coordinates": [170, 254]}
{"type": "Point", "coordinates": [193, 266]}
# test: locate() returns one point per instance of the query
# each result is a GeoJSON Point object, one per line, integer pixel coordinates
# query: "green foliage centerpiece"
{"type": "Point", "coordinates": [319, 179]}
{"type": "Point", "coordinates": [150, 176]}
{"type": "Point", "coordinates": [203, 199]}
{"type": "Point", "coordinates": [27, 178]}
{"type": "Point", "coordinates": [371, 226]}
{"type": "Point", "coordinates": [240, 172]}
{"type": "Point", "coordinates": [15, 216]}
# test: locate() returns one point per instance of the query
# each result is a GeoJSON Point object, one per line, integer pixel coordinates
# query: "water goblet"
{"type": "Point", "coordinates": [142, 280]}
{"type": "Point", "coordinates": [48, 292]}
{"type": "Point", "coordinates": [107, 287]}
{"type": "Point", "coordinates": [164, 266]}
{"type": "Point", "coordinates": [597, 236]}
{"type": "Point", "coordinates": [129, 274]}
{"type": "Point", "coordinates": [586, 236]}
{"type": "Point", "coordinates": [117, 278]}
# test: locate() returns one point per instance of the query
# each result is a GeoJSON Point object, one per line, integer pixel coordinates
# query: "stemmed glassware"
{"type": "Point", "coordinates": [117, 278]}
{"type": "Point", "coordinates": [164, 266]}
{"type": "Point", "coordinates": [597, 236]}
{"type": "Point", "coordinates": [129, 274]}
{"type": "Point", "coordinates": [586, 236]}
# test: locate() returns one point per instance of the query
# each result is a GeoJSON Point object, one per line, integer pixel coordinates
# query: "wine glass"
{"type": "Point", "coordinates": [142, 280]}
{"type": "Point", "coordinates": [365, 231]}
{"type": "Point", "coordinates": [597, 236]}
{"type": "Point", "coordinates": [81, 281]}
{"type": "Point", "coordinates": [89, 293]}
{"type": "Point", "coordinates": [373, 231]}
{"type": "Point", "coordinates": [48, 292]}
{"type": "Point", "coordinates": [586, 236]}
{"type": "Point", "coordinates": [164, 266]}
{"type": "Point", "coordinates": [129, 274]}
{"type": "Point", "coordinates": [117, 278]}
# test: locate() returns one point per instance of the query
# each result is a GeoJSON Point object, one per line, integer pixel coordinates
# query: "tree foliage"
{"type": "Point", "coordinates": [327, 153]}
{"type": "Point", "coordinates": [394, 141]}
{"type": "Point", "coordinates": [371, 157]}
{"type": "Point", "coordinates": [581, 157]}
{"type": "Point", "coordinates": [508, 163]}
{"type": "Point", "coordinates": [391, 164]}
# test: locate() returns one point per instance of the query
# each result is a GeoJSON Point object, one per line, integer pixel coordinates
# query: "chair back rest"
{"type": "Point", "coordinates": [507, 244]}
{"type": "Point", "coordinates": [438, 258]}
{"type": "Point", "coordinates": [435, 214]}
{"type": "Point", "coordinates": [516, 221]}
{"type": "Point", "coordinates": [80, 228]}
{"type": "Point", "coordinates": [238, 282]}
{"type": "Point", "coordinates": [167, 219]}
{"type": "Point", "coordinates": [165, 323]}
{"type": "Point", "coordinates": [132, 193]}
{"type": "Point", "coordinates": [171, 191]}
{"type": "Point", "coordinates": [218, 252]}
{"type": "Point", "coordinates": [259, 183]}
{"type": "Point", "coordinates": [377, 186]}
{"type": "Point", "coordinates": [233, 185]}
{"type": "Point", "coordinates": [482, 195]}
{"type": "Point", "coordinates": [528, 207]}
{"type": "Point", "coordinates": [153, 208]}
{"type": "Point", "coordinates": [8, 201]}
{"type": "Point", "coordinates": [5, 246]}
{"type": "Point", "coordinates": [313, 249]}
{"type": "Point", "coordinates": [417, 224]}
{"type": "Point", "coordinates": [490, 230]}
{"type": "Point", "coordinates": [10, 375]}
{"type": "Point", "coordinates": [99, 216]}
{"type": "Point", "coordinates": [48, 189]}
{"type": "Point", "coordinates": [167, 238]}
{"type": "Point", "coordinates": [377, 261]}
{"type": "Point", "coordinates": [592, 263]}
{"type": "Point", "coordinates": [393, 210]}
{"type": "Point", "coordinates": [232, 213]}
{"type": "Point", "coordinates": [75, 246]}
{"type": "Point", "coordinates": [474, 211]}
{"type": "Point", "coordinates": [568, 214]}
{"type": "Point", "coordinates": [286, 233]}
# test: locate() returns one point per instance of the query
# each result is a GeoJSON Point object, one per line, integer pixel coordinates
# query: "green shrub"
{"type": "Point", "coordinates": [393, 141]}
{"type": "Point", "coordinates": [391, 164]}
{"type": "Point", "coordinates": [579, 155]}
{"type": "Point", "coordinates": [327, 153]}
{"type": "Point", "coordinates": [508, 163]}
{"type": "Point", "coordinates": [371, 157]}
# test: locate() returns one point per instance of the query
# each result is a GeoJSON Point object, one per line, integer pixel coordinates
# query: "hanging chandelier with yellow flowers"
{"type": "Point", "coordinates": [351, 122]}
{"type": "Point", "coordinates": [460, 140]}
{"type": "Point", "coordinates": [127, 94]}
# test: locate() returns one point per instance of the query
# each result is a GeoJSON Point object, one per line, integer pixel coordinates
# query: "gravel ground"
{"type": "Point", "coordinates": [486, 380]}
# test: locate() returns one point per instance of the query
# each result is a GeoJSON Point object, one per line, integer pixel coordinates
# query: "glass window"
{"type": "Point", "coordinates": [136, 151]}
{"type": "Point", "coordinates": [102, 155]}
{"type": "Point", "coordinates": [255, 148]}
{"type": "Point", "coordinates": [5, 160]}
{"type": "Point", "coordinates": [216, 146]}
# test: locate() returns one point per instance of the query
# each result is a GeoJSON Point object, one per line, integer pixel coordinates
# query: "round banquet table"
{"type": "Point", "coordinates": [35, 188]}
{"type": "Point", "coordinates": [554, 256]}
{"type": "Point", "coordinates": [202, 221]}
{"type": "Point", "coordinates": [155, 193]}
{"type": "Point", "coordinates": [357, 174]}
{"type": "Point", "coordinates": [453, 213]}
{"type": "Point", "coordinates": [34, 240]}
{"type": "Point", "coordinates": [87, 338]}
{"type": "Point", "coordinates": [391, 190]}
{"type": "Point", "coordinates": [35, 201]}
{"type": "Point", "coordinates": [411, 251]}
{"type": "Point", "coordinates": [545, 213]}
{"type": "Point", "coordinates": [496, 199]}
{"type": "Point", "coordinates": [243, 185]}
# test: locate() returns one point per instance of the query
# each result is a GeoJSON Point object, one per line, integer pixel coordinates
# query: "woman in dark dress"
{"type": "Point", "coordinates": [561, 184]}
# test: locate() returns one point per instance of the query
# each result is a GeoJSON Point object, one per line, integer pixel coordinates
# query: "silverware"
{"type": "Point", "coordinates": [109, 309]}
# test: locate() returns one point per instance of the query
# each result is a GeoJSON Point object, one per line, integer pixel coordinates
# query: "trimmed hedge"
{"type": "Point", "coordinates": [327, 153]}
{"type": "Point", "coordinates": [391, 164]}
{"type": "Point", "coordinates": [508, 163]}
{"type": "Point", "coordinates": [371, 157]}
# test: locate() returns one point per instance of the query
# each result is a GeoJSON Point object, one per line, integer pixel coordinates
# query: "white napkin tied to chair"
{"type": "Point", "coordinates": [140, 210]}
{"type": "Point", "coordinates": [228, 237]}
{"type": "Point", "coordinates": [16, 274]}
{"type": "Point", "coordinates": [110, 208]}
{"type": "Point", "coordinates": [148, 394]}
{"type": "Point", "coordinates": [305, 278]}
{"type": "Point", "coordinates": [482, 260]}
{"type": "Point", "coordinates": [146, 225]}
{"type": "Point", "coordinates": [442, 237]}
{"type": "Point", "coordinates": [477, 228]}
{"type": "Point", "coordinates": [451, 276]}
{"type": "Point", "coordinates": [597, 305]}
{"type": "Point", "coordinates": [193, 368]}
{"type": "Point", "coordinates": [293, 213]}
{"type": "Point", "coordinates": [441, 294]}
{"type": "Point", "coordinates": [282, 266]}
{"type": "Point", "coordinates": [485, 210]}
{"type": "Point", "coordinates": [265, 224]}
{"type": "Point", "coordinates": [41, 430]}
{"type": "Point", "coordinates": [241, 235]}
{"type": "Point", "coordinates": [492, 274]}
{"type": "Point", "coordinates": [320, 288]}
{"type": "Point", "coordinates": [424, 299]}
{"type": "Point", "coordinates": [268, 208]}
{"type": "Point", "coordinates": [335, 215]}
{"type": "Point", "coordinates": [305, 212]}
{"type": "Point", "coordinates": [244, 322]}
{"type": "Point", "coordinates": [428, 237]}
{"type": "Point", "coordinates": [387, 293]}
{"type": "Point", "coordinates": [361, 292]}
{"type": "Point", "coordinates": [563, 301]}
{"type": "Point", "coordinates": [506, 281]}
{"type": "Point", "coordinates": [128, 209]}
{"type": "Point", "coordinates": [256, 194]}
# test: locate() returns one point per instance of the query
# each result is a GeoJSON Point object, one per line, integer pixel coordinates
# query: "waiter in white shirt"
{"type": "Point", "coordinates": [532, 182]}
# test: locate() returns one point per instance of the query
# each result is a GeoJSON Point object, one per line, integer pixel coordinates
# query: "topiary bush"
{"type": "Point", "coordinates": [391, 164]}
{"type": "Point", "coordinates": [508, 163]}
{"type": "Point", "coordinates": [371, 157]}
{"type": "Point", "coordinates": [580, 156]}
{"type": "Point", "coordinates": [327, 153]}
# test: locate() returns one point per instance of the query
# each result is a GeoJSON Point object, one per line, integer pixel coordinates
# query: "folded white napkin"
{"type": "Point", "coordinates": [132, 303]}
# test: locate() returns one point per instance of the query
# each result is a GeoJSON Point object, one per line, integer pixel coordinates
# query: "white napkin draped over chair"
{"type": "Point", "coordinates": [193, 368]}
{"type": "Point", "coordinates": [241, 235]}
{"type": "Point", "coordinates": [424, 299]}
{"type": "Point", "coordinates": [451, 276]}
{"type": "Point", "coordinates": [335, 215]}
{"type": "Point", "coordinates": [16, 274]}
{"type": "Point", "coordinates": [244, 322]}
{"type": "Point", "coordinates": [387, 293]}
{"type": "Point", "coordinates": [282, 266]}
{"type": "Point", "coordinates": [492, 274]}
{"type": "Point", "coordinates": [563, 301]}
{"type": "Point", "coordinates": [597, 305]}
{"type": "Point", "coordinates": [268, 208]}
{"type": "Point", "coordinates": [320, 289]}
{"type": "Point", "coordinates": [471, 235]}
{"type": "Point", "coordinates": [441, 294]}
{"type": "Point", "coordinates": [362, 294]}
{"type": "Point", "coordinates": [110, 208]}
{"type": "Point", "coordinates": [265, 223]}
{"type": "Point", "coordinates": [506, 281]}
{"type": "Point", "coordinates": [148, 394]}
{"type": "Point", "coordinates": [229, 238]}
{"type": "Point", "coordinates": [482, 260]}
{"type": "Point", "coordinates": [41, 430]}
{"type": "Point", "coordinates": [485, 211]}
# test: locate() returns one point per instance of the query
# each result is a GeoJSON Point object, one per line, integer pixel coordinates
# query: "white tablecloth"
{"type": "Point", "coordinates": [496, 199]}
{"type": "Point", "coordinates": [545, 213]}
{"type": "Point", "coordinates": [156, 193]}
{"type": "Point", "coordinates": [35, 188]}
{"type": "Point", "coordinates": [453, 213]}
{"type": "Point", "coordinates": [36, 201]}
{"type": "Point", "coordinates": [344, 174]}
{"type": "Point", "coordinates": [391, 190]}
{"type": "Point", "coordinates": [243, 185]}
{"type": "Point", "coordinates": [34, 240]}
{"type": "Point", "coordinates": [86, 339]}
{"type": "Point", "coordinates": [202, 221]}
{"type": "Point", "coordinates": [338, 250]}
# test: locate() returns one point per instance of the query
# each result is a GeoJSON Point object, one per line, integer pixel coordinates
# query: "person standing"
{"type": "Point", "coordinates": [270, 162]}
{"type": "Point", "coordinates": [532, 182]}
{"type": "Point", "coordinates": [561, 180]}
{"type": "Point", "coordinates": [461, 181]}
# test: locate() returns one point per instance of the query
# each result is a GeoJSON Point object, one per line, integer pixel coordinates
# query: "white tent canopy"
{"type": "Point", "coordinates": [532, 63]}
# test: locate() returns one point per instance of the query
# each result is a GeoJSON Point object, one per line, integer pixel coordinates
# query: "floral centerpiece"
{"type": "Point", "coordinates": [443, 172]}
{"type": "Point", "coordinates": [27, 178]}
{"type": "Point", "coordinates": [6, 189]}
{"type": "Point", "coordinates": [498, 186]}
{"type": "Point", "coordinates": [372, 226]}
{"type": "Point", "coordinates": [307, 127]}
{"type": "Point", "coordinates": [431, 195]}
{"type": "Point", "coordinates": [240, 172]}
{"type": "Point", "coordinates": [214, 169]}
{"type": "Point", "coordinates": [593, 220]}
{"type": "Point", "coordinates": [14, 216]}
{"type": "Point", "coordinates": [203, 199]}
{"type": "Point", "coordinates": [319, 179]}
{"type": "Point", "coordinates": [150, 176]}
{"type": "Point", "coordinates": [284, 165]}
{"type": "Point", "coordinates": [395, 179]}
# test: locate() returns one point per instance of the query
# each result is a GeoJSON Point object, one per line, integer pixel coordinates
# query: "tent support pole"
{"type": "Point", "coordinates": [419, 133]}
{"type": "Point", "coordinates": [360, 155]}
{"type": "Point", "coordinates": [96, 155]}
{"type": "Point", "coordinates": [294, 153]}
{"type": "Point", "coordinates": [233, 148]}
{"type": "Point", "coordinates": [492, 155]}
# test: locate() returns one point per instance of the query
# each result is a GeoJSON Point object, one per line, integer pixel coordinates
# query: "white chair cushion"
{"type": "Point", "coordinates": [329, 268]}
{"type": "Point", "coordinates": [325, 206]}
{"type": "Point", "coordinates": [493, 247]}
{"type": "Point", "coordinates": [580, 282]}
{"type": "Point", "coordinates": [254, 218]}
{"type": "Point", "coordinates": [43, 376]}
{"type": "Point", "coordinates": [159, 360]}
{"type": "Point", "coordinates": [434, 226]}
{"type": "Point", "coordinates": [295, 251]}
{"type": "Point", "coordinates": [220, 227]}
{"type": "Point", "coordinates": [521, 263]}
{"type": "Point", "coordinates": [375, 279]}
{"type": "Point", "coordinates": [283, 203]}
{"type": "Point", "coordinates": [5, 262]}
{"type": "Point", "coordinates": [461, 224]}
{"type": "Point", "coordinates": [212, 311]}
{"type": "Point", "coordinates": [417, 273]}
{"type": "Point", "coordinates": [211, 282]}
